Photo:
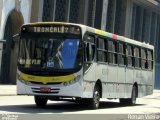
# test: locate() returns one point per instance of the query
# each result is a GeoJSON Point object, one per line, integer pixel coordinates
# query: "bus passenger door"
{"type": "Point", "coordinates": [89, 65]}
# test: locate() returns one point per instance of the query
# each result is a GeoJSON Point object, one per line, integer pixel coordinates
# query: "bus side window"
{"type": "Point", "coordinates": [137, 57]}
{"type": "Point", "coordinates": [89, 52]}
{"type": "Point", "coordinates": [101, 50]}
{"type": "Point", "coordinates": [129, 53]}
{"type": "Point", "coordinates": [144, 59]}
{"type": "Point", "coordinates": [150, 59]}
{"type": "Point", "coordinates": [121, 54]}
{"type": "Point", "coordinates": [112, 52]}
{"type": "Point", "coordinates": [89, 48]}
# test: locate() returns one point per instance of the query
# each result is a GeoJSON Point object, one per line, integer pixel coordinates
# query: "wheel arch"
{"type": "Point", "coordinates": [136, 85]}
{"type": "Point", "coordinates": [99, 83]}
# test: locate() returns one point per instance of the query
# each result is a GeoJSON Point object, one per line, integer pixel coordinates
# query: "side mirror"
{"type": "Point", "coordinates": [15, 37]}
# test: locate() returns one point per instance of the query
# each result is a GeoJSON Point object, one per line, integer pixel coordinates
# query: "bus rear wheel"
{"type": "Point", "coordinates": [132, 100]}
{"type": "Point", "coordinates": [40, 101]}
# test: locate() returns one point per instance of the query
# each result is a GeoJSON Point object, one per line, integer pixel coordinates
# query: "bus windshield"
{"type": "Point", "coordinates": [49, 53]}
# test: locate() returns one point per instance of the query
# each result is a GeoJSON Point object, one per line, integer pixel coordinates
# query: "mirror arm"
{"type": "Point", "coordinates": [14, 40]}
{"type": "Point", "coordinates": [16, 35]}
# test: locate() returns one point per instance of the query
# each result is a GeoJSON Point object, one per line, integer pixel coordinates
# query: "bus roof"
{"type": "Point", "coordinates": [99, 32]}
{"type": "Point", "coordinates": [120, 38]}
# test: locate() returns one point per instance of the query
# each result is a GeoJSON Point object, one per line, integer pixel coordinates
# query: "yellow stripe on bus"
{"type": "Point", "coordinates": [49, 23]}
{"type": "Point", "coordinates": [46, 79]}
{"type": "Point", "coordinates": [103, 33]}
{"type": "Point", "coordinates": [100, 32]}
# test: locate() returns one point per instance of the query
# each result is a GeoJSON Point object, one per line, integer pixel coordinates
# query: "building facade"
{"type": "Point", "coordinates": [13, 13]}
{"type": "Point", "coordinates": [136, 19]}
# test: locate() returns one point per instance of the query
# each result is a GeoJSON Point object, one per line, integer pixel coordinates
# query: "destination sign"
{"type": "Point", "coordinates": [29, 61]}
{"type": "Point", "coordinates": [52, 29]}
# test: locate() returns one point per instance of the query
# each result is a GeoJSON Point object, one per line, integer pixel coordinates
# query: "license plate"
{"type": "Point", "coordinates": [45, 89]}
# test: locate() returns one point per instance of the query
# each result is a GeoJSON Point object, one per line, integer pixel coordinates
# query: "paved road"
{"type": "Point", "coordinates": [25, 105]}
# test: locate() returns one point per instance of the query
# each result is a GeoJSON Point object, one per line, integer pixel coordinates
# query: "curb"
{"type": "Point", "coordinates": [8, 95]}
{"type": "Point", "coordinates": [8, 90]}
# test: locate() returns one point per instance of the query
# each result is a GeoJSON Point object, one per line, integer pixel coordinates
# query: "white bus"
{"type": "Point", "coordinates": [65, 61]}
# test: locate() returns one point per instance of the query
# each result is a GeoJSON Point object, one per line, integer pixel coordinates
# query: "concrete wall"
{"type": "Point", "coordinates": [8, 5]}
{"type": "Point", "coordinates": [37, 11]}
{"type": "Point", "coordinates": [157, 76]}
{"type": "Point", "coordinates": [1, 43]}
{"type": "Point", "coordinates": [18, 10]}
{"type": "Point", "coordinates": [1, 48]}
{"type": "Point", "coordinates": [1, 4]}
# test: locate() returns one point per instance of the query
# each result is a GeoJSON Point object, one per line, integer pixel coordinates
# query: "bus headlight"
{"type": "Point", "coordinates": [22, 80]}
{"type": "Point", "coordinates": [72, 81]}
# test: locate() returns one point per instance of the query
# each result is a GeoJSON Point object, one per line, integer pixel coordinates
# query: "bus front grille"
{"type": "Point", "coordinates": [52, 90]}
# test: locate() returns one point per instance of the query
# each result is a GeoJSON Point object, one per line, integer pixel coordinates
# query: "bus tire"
{"type": "Point", "coordinates": [132, 100]}
{"type": "Point", "coordinates": [40, 101]}
{"type": "Point", "coordinates": [94, 102]}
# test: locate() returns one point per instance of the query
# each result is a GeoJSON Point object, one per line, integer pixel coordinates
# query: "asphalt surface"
{"type": "Point", "coordinates": [147, 108]}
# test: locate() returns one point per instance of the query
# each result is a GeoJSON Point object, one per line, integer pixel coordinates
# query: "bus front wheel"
{"type": "Point", "coordinates": [94, 102]}
{"type": "Point", "coordinates": [40, 101]}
